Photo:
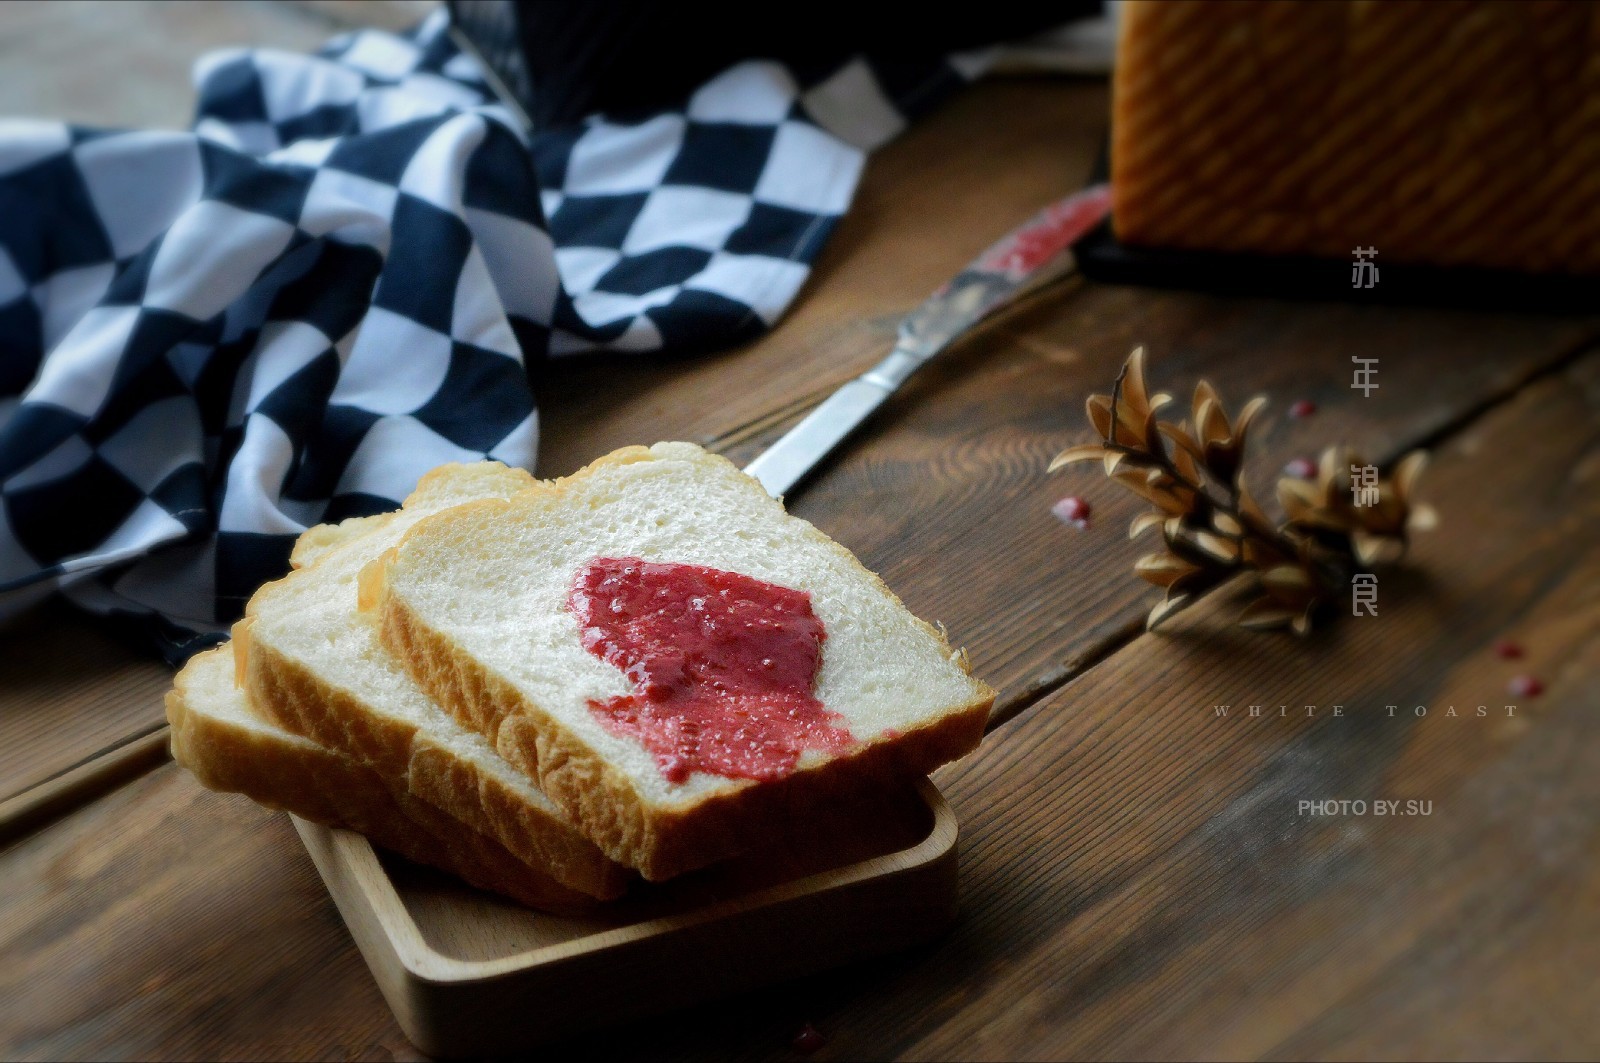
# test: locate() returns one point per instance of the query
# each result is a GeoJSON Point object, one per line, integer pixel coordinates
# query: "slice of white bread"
{"type": "Point", "coordinates": [220, 737]}
{"type": "Point", "coordinates": [474, 601]}
{"type": "Point", "coordinates": [313, 663]}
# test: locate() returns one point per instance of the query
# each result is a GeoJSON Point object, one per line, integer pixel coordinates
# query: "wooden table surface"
{"type": "Point", "coordinates": [1138, 879]}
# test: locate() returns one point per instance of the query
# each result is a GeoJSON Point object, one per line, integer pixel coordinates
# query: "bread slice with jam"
{"type": "Point", "coordinates": [682, 667]}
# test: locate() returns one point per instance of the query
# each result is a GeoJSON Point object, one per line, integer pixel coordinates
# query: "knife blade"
{"type": "Point", "coordinates": [1029, 256]}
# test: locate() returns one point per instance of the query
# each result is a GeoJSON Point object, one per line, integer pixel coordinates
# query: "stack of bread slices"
{"type": "Point", "coordinates": [423, 677]}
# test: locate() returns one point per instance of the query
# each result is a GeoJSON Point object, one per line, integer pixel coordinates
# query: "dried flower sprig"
{"type": "Point", "coordinates": [1211, 526]}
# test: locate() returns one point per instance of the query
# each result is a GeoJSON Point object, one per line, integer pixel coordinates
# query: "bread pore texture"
{"type": "Point", "coordinates": [229, 746]}
{"type": "Point", "coordinates": [476, 601]}
{"type": "Point", "coordinates": [313, 663]}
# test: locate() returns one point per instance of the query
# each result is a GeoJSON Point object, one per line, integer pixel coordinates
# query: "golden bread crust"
{"type": "Point", "coordinates": [326, 787]}
{"type": "Point", "coordinates": [296, 697]}
{"type": "Point", "coordinates": [299, 700]}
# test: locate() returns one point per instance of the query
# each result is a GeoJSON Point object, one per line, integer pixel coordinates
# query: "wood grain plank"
{"type": "Point", "coordinates": [65, 791]}
{"type": "Point", "coordinates": [69, 692]}
{"type": "Point", "coordinates": [1135, 874]}
{"type": "Point", "coordinates": [164, 921]}
{"type": "Point", "coordinates": [1139, 881]}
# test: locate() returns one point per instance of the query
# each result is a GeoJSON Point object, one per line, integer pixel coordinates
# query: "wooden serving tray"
{"type": "Point", "coordinates": [468, 973]}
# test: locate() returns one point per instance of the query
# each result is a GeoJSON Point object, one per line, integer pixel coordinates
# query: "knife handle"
{"type": "Point", "coordinates": [1025, 259]}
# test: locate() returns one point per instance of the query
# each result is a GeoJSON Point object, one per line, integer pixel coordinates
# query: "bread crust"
{"type": "Point", "coordinates": [336, 790]}
{"type": "Point", "coordinates": [597, 797]}
{"type": "Point", "coordinates": [300, 701]}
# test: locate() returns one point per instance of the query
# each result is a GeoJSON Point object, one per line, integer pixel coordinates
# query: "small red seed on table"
{"type": "Point", "coordinates": [1301, 469]}
{"type": "Point", "coordinates": [1525, 686]}
{"type": "Point", "coordinates": [808, 1040]}
{"type": "Point", "coordinates": [1073, 510]}
{"type": "Point", "coordinates": [1303, 408]}
{"type": "Point", "coordinates": [1507, 650]}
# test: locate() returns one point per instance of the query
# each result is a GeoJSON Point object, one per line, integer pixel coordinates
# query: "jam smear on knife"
{"type": "Point", "coordinates": [722, 666]}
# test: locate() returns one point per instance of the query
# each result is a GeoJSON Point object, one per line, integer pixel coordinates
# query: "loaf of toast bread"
{"type": "Point", "coordinates": [1450, 134]}
{"type": "Point", "coordinates": [312, 662]}
{"type": "Point", "coordinates": [480, 603]}
{"type": "Point", "coordinates": [229, 746]}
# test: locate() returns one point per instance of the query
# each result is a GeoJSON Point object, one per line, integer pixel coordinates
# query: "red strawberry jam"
{"type": "Point", "coordinates": [722, 666]}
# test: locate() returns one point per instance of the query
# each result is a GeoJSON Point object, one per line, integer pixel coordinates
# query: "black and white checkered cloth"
{"type": "Point", "coordinates": [211, 340]}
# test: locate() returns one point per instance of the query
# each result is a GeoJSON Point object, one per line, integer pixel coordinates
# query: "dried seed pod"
{"type": "Point", "coordinates": [1211, 525]}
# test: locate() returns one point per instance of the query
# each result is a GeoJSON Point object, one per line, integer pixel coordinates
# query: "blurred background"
{"type": "Point", "coordinates": [43, 70]}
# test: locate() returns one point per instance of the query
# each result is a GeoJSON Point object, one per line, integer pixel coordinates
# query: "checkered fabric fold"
{"type": "Point", "coordinates": [335, 281]}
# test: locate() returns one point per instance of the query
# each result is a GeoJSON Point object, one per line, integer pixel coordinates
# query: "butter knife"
{"type": "Point", "coordinates": [1033, 254]}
